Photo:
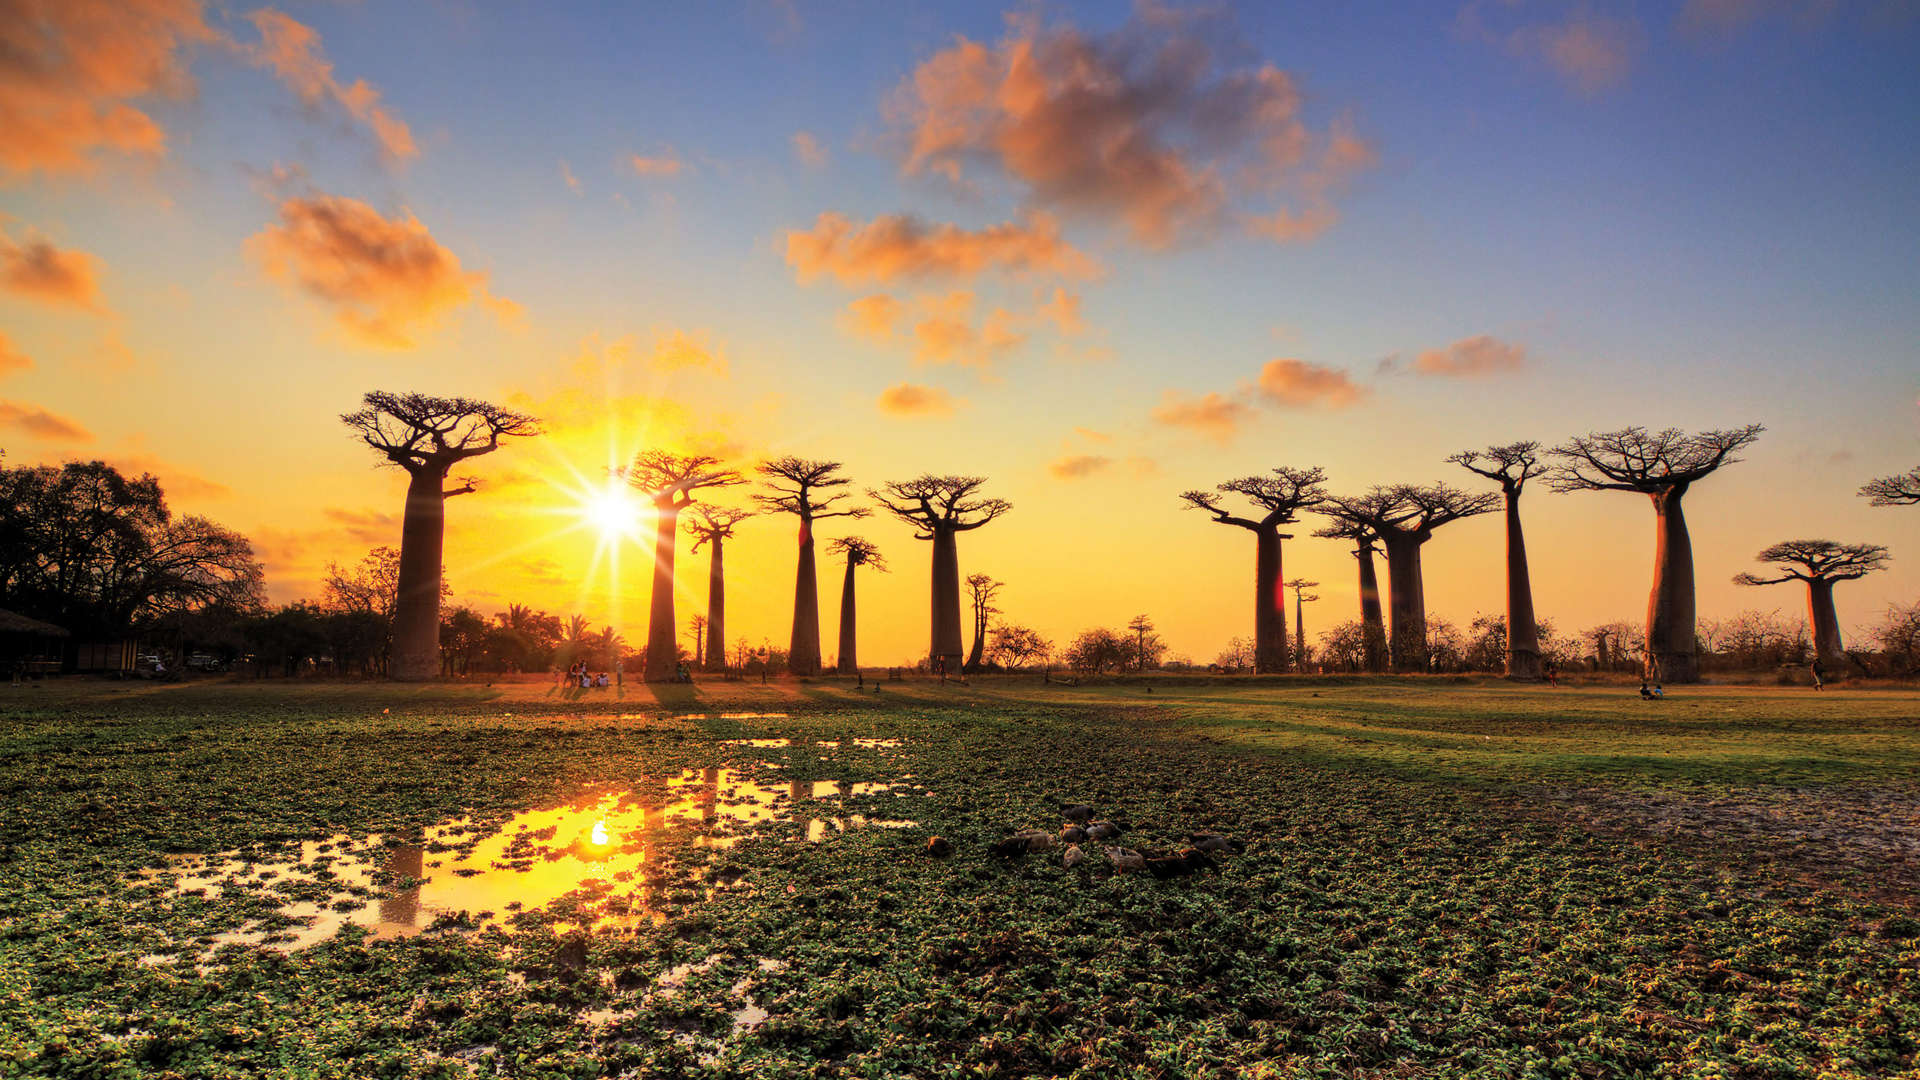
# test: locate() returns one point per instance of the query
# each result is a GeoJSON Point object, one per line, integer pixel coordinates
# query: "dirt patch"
{"type": "Point", "coordinates": [1865, 841]}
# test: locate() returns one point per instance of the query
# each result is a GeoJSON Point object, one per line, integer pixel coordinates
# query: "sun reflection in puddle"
{"type": "Point", "coordinates": [609, 846]}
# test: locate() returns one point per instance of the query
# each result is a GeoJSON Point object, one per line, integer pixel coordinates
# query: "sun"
{"type": "Point", "coordinates": [612, 511]}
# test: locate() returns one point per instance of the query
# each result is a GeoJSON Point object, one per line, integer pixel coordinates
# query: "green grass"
{"type": "Point", "coordinates": [1443, 879]}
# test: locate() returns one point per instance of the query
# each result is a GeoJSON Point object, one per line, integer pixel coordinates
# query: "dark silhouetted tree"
{"type": "Point", "coordinates": [713, 526]}
{"type": "Point", "coordinates": [940, 508]}
{"type": "Point", "coordinates": [1820, 564]}
{"type": "Point", "coordinates": [1301, 597]}
{"type": "Point", "coordinates": [669, 480]}
{"type": "Point", "coordinates": [427, 437]}
{"type": "Point", "coordinates": [1902, 490]}
{"type": "Point", "coordinates": [1277, 500]}
{"type": "Point", "coordinates": [697, 625]}
{"type": "Point", "coordinates": [1017, 646]}
{"type": "Point", "coordinates": [805, 489]}
{"type": "Point", "coordinates": [981, 589]}
{"type": "Point", "coordinates": [1511, 466]}
{"type": "Point", "coordinates": [1373, 625]}
{"type": "Point", "coordinates": [858, 552]}
{"type": "Point", "coordinates": [1404, 517]}
{"type": "Point", "coordinates": [1663, 466]}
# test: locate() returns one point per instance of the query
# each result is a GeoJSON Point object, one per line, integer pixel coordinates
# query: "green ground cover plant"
{"type": "Point", "coordinates": [1441, 878]}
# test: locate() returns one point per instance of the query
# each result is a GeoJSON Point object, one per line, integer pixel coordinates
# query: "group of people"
{"type": "Point", "coordinates": [578, 677]}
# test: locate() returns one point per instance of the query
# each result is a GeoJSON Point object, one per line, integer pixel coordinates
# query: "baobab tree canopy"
{"type": "Point", "coordinates": [669, 481]}
{"type": "Point", "coordinates": [1277, 500]}
{"type": "Point", "coordinates": [1511, 466]}
{"type": "Point", "coordinates": [1663, 466]}
{"type": "Point", "coordinates": [859, 551]}
{"type": "Point", "coordinates": [1820, 564]}
{"type": "Point", "coordinates": [427, 436]}
{"type": "Point", "coordinates": [806, 489]}
{"type": "Point", "coordinates": [1404, 517]}
{"type": "Point", "coordinates": [939, 508]}
{"type": "Point", "coordinates": [1901, 490]}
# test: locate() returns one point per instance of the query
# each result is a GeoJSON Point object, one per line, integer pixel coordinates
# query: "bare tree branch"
{"type": "Point", "coordinates": [710, 523]}
{"type": "Point", "coordinates": [1510, 466]}
{"type": "Point", "coordinates": [1279, 498]}
{"type": "Point", "coordinates": [418, 431]}
{"type": "Point", "coordinates": [1902, 490]}
{"type": "Point", "coordinates": [670, 479]}
{"type": "Point", "coordinates": [1632, 459]}
{"type": "Point", "coordinates": [1817, 560]}
{"type": "Point", "coordinates": [935, 504]}
{"type": "Point", "coordinates": [859, 551]}
{"type": "Point", "coordinates": [797, 485]}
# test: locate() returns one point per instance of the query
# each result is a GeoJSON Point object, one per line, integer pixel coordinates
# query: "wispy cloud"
{"type": "Point", "coordinates": [41, 424]}
{"type": "Point", "coordinates": [292, 51]}
{"type": "Point", "coordinates": [1213, 415]}
{"type": "Point", "coordinates": [809, 150]}
{"type": "Point", "coordinates": [910, 399]}
{"type": "Point", "coordinates": [898, 247]}
{"type": "Point", "coordinates": [1481, 355]}
{"type": "Point", "coordinates": [37, 270]}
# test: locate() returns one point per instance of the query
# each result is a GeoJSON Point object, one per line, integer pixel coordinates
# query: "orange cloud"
{"type": "Point", "coordinates": [1143, 127]}
{"type": "Point", "coordinates": [1078, 466]}
{"type": "Point", "coordinates": [676, 350]}
{"type": "Point", "coordinates": [1298, 384]}
{"type": "Point", "coordinates": [291, 49]}
{"type": "Point", "coordinates": [368, 527]}
{"type": "Point", "coordinates": [176, 482]}
{"type": "Point", "coordinates": [1093, 436]}
{"type": "Point", "coordinates": [69, 68]}
{"type": "Point", "coordinates": [385, 278]}
{"type": "Point", "coordinates": [808, 150]}
{"type": "Point", "coordinates": [666, 164]}
{"type": "Point", "coordinates": [1591, 53]}
{"type": "Point", "coordinates": [1213, 415]}
{"type": "Point", "coordinates": [40, 271]}
{"type": "Point", "coordinates": [11, 358]}
{"type": "Point", "coordinates": [42, 424]}
{"type": "Point", "coordinates": [566, 173]}
{"type": "Point", "coordinates": [909, 399]}
{"type": "Point", "coordinates": [897, 246]}
{"type": "Point", "coordinates": [1063, 310]}
{"type": "Point", "coordinates": [872, 317]}
{"type": "Point", "coordinates": [1482, 355]}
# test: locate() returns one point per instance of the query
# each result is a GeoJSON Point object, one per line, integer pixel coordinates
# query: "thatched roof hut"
{"type": "Point", "coordinates": [12, 622]}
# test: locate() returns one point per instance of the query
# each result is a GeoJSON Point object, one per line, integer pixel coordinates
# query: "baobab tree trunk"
{"type": "Point", "coordinates": [716, 659]}
{"type": "Point", "coordinates": [1269, 605]}
{"type": "Point", "coordinates": [416, 613]}
{"type": "Point", "coordinates": [1373, 628]}
{"type": "Point", "coordinates": [979, 649]}
{"type": "Point", "coordinates": [1523, 633]}
{"type": "Point", "coordinates": [803, 649]}
{"type": "Point", "coordinates": [1671, 651]}
{"type": "Point", "coordinates": [945, 647]}
{"type": "Point", "coordinates": [663, 652]}
{"type": "Point", "coordinates": [849, 662]}
{"type": "Point", "coordinates": [1299, 635]}
{"type": "Point", "coordinates": [1407, 605]}
{"type": "Point", "coordinates": [1826, 627]}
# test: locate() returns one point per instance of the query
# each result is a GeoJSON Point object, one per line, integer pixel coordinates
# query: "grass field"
{"type": "Point", "coordinates": [1441, 878]}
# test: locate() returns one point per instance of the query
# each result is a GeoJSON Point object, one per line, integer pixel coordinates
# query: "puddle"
{"type": "Point", "coordinates": [608, 845]}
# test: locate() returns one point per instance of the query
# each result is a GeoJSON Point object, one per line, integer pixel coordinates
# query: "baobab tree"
{"type": "Point", "coordinates": [1511, 466]}
{"type": "Point", "coordinates": [1278, 500]}
{"type": "Point", "coordinates": [1404, 517]}
{"type": "Point", "coordinates": [1373, 627]}
{"type": "Point", "coordinates": [1663, 466]}
{"type": "Point", "coordinates": [1821, 564]}
{"type": "Point", "coordinates": [427, 437]}
{"type": "Point", "coordinates": [1902, 490]}
{"type": "Point", "coordinates": [698, 624]}
{"type": "Point", "coordinates": [1301, 597]}
{"type": "Point", "coordinates": [668, 480]}
{"type": "Point", "coordinates": [940, 508]}
{"type": "Point", "coordinates": [804, 488]}
{"type": "Point", "coordinates": [712, 526]}
{"type": "Point", "coordinates": [858, 552]}
{"type": "Point", "coordinates": [981, 589]}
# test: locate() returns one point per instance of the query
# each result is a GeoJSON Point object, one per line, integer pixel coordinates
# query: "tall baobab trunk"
{"type": "Point", "coordinates": [716, 658]}
{"type": "Point", "coordinates": [1269, 605]}
{"type": "Point", "coordinates": [1826, 626]}
{"type": "Point", "coordinates": [849, 661]}
{"type": "Point", "coordinates": [1373, 628]}
{"type": "Point", "coordinates": [1406, 604]}
{"type": "Point", "coordinates": [416, 613]}
{"type": "Point", "coordinates": [945, 647]}
{"type": "Point", "coordinates": [1523, 633]}
{"type": "Point", "coordinates": [663, 650]}
{"type": "Point", "coordinates": [978, 651]}
{"type": "Point", "coordinates": [1671, 649]}
{"type": "Point", "coordinates": [803, 649]}
{"type": "Point", "coordinates": [1299, 635]}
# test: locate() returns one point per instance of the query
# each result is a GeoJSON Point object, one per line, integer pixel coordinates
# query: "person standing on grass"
{"type": "Point", "coordinates": [1819, 674]}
